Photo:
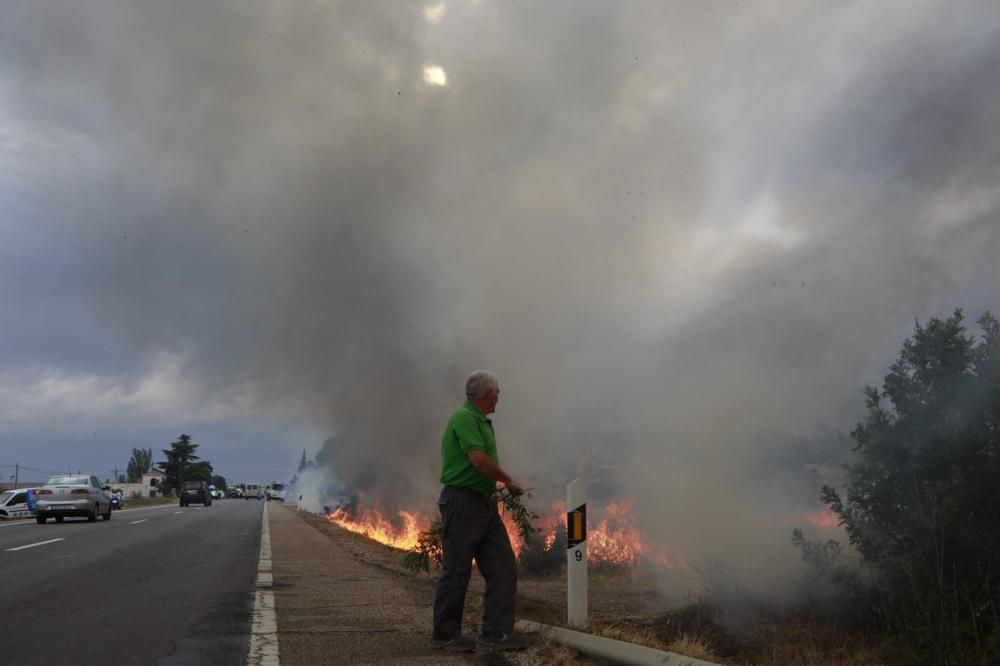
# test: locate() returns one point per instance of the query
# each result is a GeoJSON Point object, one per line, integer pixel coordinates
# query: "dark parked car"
{"type": "Point", "coordinates": [197, 492]}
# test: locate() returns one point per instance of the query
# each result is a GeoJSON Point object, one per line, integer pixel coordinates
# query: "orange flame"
{"type": "Point", "coordinates": [546, 526]}
{"type": "Point", "coordinates": [615, 539]}
{"type": "Point", "coordinates": [376, 526]}
{"type": "Point", "coordinates": [822, 518]}
{"type": "Point", "coordinates": [516, 542]}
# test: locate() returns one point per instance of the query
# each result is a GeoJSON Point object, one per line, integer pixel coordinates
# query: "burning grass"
{"type": "Point", "coordinates": [403, 532]}
{"type": "Point", "coordinates": [539, 542]}
{"type": "Point", "coordinates": [624, 600]}
{"type": "Point", "coordinates": [625, 604]}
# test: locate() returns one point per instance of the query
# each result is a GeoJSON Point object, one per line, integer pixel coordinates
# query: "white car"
{"type": "Point", "coordinates": [14, 503]}
{"type": "Point", "coordinates": [72, 495]}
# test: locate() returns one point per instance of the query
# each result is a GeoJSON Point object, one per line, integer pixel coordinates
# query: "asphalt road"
{"type": "Point", "coordinates": [161, 585]}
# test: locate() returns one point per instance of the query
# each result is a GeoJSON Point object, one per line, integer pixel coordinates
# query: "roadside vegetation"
{"type": "Point", "coordinates": [141, 502]}
{"type": "Point", "coordinates": [916, 580]}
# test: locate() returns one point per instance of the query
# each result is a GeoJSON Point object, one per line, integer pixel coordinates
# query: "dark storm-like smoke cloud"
{"type": "Point", "coordinates": [273, 191]}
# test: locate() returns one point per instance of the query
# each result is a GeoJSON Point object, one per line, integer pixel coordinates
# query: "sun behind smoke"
{"type": "Point", "coordinates": [435, 76]}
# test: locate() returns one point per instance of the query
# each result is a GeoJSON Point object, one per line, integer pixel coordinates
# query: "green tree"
{"type": "Point", "coordinates": [220, 482]}
{"type": "Point", "coordinates": [180, 454]}
{"type": "Point", "coordinates": [140, 463]}
{"type": "Point", "coordinates": [199, 471]}
{"type": "Point", "coordinates": [922, 504]}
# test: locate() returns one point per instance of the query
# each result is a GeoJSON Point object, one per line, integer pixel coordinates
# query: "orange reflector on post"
{"type": "Point", "coordinates": [576, 526]}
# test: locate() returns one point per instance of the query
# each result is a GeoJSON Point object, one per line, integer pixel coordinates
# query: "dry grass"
{"type": "Point", "coordinates": [816, 655]}
{"type": "Point", "coordinates": [140, 502]}
{"type": "Point", "coordinates": [816, 643]}
{"type": "Point", "coordinates": [546, 654]}
{"type": "Point", "coordinates": [697, 647]}
{"type": "Point", "coordinates": [631, 634]}
{"type": "Point", "coordinates": [691, 631]}
{"type": "Point", "coordinates": [687, 644]}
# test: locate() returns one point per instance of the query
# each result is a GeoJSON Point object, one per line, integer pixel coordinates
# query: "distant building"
{"type": "Point", "coordinates": [147, 487]}
{"type": "Point", "coordinates": [129, 489]}
{"type": "Point", "coordinates": [151, 483]}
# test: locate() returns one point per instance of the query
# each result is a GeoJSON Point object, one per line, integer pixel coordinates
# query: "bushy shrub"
{"type": "Point", "coordinates": [922, 505]}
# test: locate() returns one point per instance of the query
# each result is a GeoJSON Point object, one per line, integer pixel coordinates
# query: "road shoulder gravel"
{"type": "Point", "coordinates": [334, 609]}
{"type": "Point", "coordinates": [334, 606]}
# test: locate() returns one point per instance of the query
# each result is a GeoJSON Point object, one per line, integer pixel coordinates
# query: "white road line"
{"type": "Point", "coordinates": [32, 545]}
{"type": "Point", "coordinates": [17, 521]}
{"type": "Point", "coordinates": [148, 508]}
{"type": "Point", "coordinates": [178, 512]}
{"type": "Point", "coordinates": [264, 634]}
{"type": "Point", "coordinates": [136, 522]}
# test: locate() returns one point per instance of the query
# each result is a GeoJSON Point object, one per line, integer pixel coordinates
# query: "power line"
{"type": "Point", "coordinates": [32, 469]}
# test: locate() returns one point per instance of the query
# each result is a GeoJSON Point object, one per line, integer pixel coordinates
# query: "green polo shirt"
{"type": "Point", "coordinates": [468, 429]}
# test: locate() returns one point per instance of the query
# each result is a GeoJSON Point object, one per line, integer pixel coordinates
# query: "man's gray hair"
{"type": "Point", "coordinates": [478, 383]}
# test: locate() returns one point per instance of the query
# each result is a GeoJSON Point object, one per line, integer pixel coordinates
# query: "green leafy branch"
{"type": "Point", "coordinates": [430, 546]}
{"type": "Point", "coordinates": [519, 513]}
{"type": "Point", "coordinates": [430, 543]}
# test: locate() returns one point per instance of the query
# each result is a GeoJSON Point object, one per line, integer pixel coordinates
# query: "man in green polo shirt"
{"type": "Point", "coordinates": [471, 525]}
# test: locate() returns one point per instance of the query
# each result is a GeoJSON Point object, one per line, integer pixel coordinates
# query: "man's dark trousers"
{"type": "Point", "coordinates": [472, 528]}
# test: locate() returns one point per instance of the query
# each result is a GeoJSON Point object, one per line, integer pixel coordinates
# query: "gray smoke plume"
{"type": "Point", "coordinates": [684, 236]}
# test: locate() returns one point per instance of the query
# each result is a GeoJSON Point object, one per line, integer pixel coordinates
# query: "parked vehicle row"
{"type": "Point", "coordinates": [78, 495]}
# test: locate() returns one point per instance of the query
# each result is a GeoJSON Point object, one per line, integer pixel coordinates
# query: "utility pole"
{"type": "Point", "coordinates": [17, 470]}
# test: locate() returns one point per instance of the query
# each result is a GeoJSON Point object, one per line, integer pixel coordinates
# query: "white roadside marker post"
{"type": "Point", "coordinates": [576, 553]}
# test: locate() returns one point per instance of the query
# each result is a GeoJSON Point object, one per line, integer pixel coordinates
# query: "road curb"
{"type": "Point", "coordinates": [609, 648]}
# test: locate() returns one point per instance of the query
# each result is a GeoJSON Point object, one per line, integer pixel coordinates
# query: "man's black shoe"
{"type": "Point", "coordinates": [457, 644]}
{"type": "Point", "coordinates": [503, 642]}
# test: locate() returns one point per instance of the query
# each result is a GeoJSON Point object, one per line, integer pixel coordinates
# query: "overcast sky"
{"type": "Point", "coordinates": [683, 234]}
